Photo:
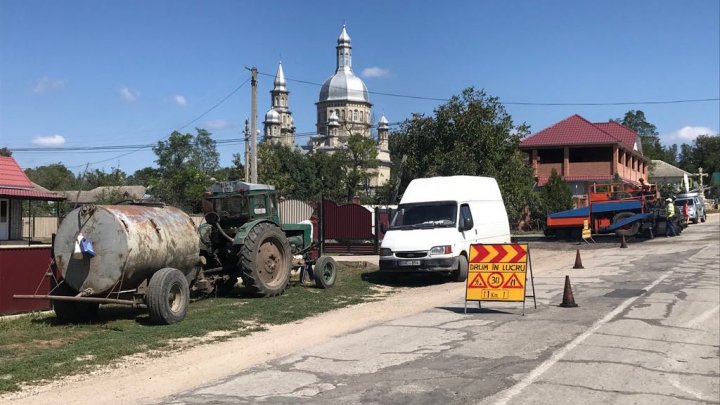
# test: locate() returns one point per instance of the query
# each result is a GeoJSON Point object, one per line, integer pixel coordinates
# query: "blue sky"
{"type": "Point", "coordinates": [90, 73]}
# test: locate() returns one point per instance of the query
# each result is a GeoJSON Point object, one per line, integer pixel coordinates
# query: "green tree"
{"type": "Point", "coordinates": [555, 196]}
{"type": "Point", "coordinates": [4, 151]}
{"type": "Point", "coordinates": [185, 167]}
{"type": "Point", "coordinates": [146, 176]}
{"type": "Point", "coordinates": [289, 170]}
{"type": "Point", "coordinates": [99, 178]}
{"type": "Point", "coordinates": [361, 158]}
{"type": "Point", "coordinates": [472, 134]}
{"type": "Point", "coordinates": [650, 142]}
{"type": "Point", "coordinates": [54, 177]}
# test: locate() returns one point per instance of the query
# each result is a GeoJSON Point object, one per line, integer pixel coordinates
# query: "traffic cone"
{"type": "Point", "coordinates": [568, 299]}
{"type": "Point", "coordinates": [622, 242]}
{"type": "Point", "coordinates": [578, 261]}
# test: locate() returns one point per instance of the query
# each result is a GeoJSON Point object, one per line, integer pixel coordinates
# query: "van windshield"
{"type": "Point", "coordinates": [437, 214]}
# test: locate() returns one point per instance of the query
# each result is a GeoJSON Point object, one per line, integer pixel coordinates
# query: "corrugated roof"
{"type": "Point", "coordinates": [11, 175]}
{"type": "Point", "coordinates": [661, 168]}
{"type": "Point", "coordinates": [29, 194]}
{"type": "Point", "coordinates": [626, 135]}
{"type": "Point", "coordinates": [90, 196]}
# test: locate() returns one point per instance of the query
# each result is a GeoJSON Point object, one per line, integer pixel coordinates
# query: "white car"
{"type": "Point", "coordinates": [696, 209]}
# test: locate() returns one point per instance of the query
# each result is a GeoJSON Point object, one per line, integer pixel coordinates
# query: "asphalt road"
{"type": "Point", "coordinates": [646, 330]}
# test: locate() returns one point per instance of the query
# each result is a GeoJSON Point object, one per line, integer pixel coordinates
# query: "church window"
{"type": "Point", "coordinates": [343, 115]}
{"type": "Point", "coordinates": [355, 116]}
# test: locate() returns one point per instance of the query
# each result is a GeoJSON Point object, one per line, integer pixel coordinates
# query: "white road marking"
{"type": "Point", "coordinates": [695, 322]}
{"type": "Point", "coordinates": [505, 396]}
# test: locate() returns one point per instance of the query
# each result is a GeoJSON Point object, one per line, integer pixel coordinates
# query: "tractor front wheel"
{"type": "Point", "coordinates": [265, 260]}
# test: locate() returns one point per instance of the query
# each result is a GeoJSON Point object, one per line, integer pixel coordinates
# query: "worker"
{"type": "Point", "coordinates": [670, 215]}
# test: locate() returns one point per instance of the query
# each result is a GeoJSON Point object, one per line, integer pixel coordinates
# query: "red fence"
{"type": "Point", "coordinates": [22, 270]}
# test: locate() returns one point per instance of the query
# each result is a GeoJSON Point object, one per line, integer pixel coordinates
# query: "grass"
{"type": "Point", "coordinates": [37, 348]}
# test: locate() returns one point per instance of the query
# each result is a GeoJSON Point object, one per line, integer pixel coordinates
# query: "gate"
{"type": "Point", "coordinates": [347, 229]}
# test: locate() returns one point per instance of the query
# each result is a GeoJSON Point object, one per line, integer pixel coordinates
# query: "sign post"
{"type": "Point", "coordinates": [498, 273]}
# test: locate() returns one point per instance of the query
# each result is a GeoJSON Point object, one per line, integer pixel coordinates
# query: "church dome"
{"type": "Point", "coordinates": [344, 86]}
{"type": "Point", "coordinates": [272, 117]}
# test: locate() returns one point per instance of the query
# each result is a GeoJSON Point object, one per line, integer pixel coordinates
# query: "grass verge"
{"type": "Point", "coordinates": [36, 347]}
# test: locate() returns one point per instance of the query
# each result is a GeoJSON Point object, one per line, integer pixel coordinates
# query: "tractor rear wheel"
{"type": "Point", "coordinates": [265, 260]}
{"type": "Point", "coordinates": [630, 229]}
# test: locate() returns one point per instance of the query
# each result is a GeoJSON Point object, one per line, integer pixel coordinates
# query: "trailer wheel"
{"type": "Point", "coordinates": [168, 296]}
{"type": "Point", "coordinates": [630, 229]}
{"type": "Point", "coordinates": [265, 260]}
{"type": "Point", "coordinates": [461, 273]}
{"type": "Point", "coordinates": [325, 272]}
{"type": "Point", "coordinates": [69, 311]}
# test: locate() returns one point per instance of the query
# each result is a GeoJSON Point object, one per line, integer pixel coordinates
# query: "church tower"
{"type": "Point", "coordinates": [344, 95]}
{"type": "Point", "coordinates": [279, 124]}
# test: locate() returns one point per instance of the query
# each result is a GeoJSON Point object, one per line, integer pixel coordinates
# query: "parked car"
{"type": "Point", "coordinates": [696, 208]}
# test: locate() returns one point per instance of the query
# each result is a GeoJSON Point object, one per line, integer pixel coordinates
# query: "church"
{"type": "Point", "coordinates": [343, 109]}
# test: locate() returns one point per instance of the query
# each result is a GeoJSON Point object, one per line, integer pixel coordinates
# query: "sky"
{"type": "Point", "coordinates": [97, 73]}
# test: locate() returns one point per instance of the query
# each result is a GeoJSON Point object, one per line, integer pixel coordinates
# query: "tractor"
{"type": "Point", "coordinates": [242, 238]}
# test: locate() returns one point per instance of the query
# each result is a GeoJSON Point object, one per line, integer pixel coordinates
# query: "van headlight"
{"type": "Point", "coordinates": [440, 250]}
{"type": "Point", "coordinates": [385, 252]}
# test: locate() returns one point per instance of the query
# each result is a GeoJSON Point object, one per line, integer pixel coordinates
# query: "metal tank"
{"type": "Point", "coordinates": [130, 242]}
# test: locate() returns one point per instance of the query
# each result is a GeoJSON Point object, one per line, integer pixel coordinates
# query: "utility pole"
{"type": "Point", "coordinates": [253, 125]}
{"type": "Point", "coordinates": [247, 151]}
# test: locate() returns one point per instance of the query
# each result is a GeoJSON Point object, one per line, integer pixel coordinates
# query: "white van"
{"type": "Point", "coordinates": [438, 219]}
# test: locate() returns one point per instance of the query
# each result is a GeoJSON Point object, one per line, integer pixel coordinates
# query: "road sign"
{"type": "Point", "coordinates": [498, 272]}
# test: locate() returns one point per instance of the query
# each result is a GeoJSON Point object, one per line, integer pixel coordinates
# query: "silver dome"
{"type": "Point", "coordinates": [344, 38]}
{"type": "Point", "coordinates": [342, 86]}
{"type": "Point", "coordinates": [272, 117]}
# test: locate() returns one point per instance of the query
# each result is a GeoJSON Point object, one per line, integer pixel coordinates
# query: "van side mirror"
{"type": "Point", "coordinates": [467, 224]}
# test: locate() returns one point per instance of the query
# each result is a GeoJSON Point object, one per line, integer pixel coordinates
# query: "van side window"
{"type": "Point", "coordinates": [464, 215]}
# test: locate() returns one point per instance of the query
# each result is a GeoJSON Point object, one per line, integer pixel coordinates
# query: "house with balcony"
{"type": "Point", "coordinates": [583, 153]}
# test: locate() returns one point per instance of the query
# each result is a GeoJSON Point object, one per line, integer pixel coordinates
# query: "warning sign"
{"type": "Point", "coordinates": [497, 273]}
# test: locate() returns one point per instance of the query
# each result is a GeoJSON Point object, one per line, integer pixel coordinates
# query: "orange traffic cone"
{"type": "Point", "coordinates": [622, 242]}
{"type": "Point", "coordinates": [568, 299]}
{"type": "Point", "coordinates": [578, 261]}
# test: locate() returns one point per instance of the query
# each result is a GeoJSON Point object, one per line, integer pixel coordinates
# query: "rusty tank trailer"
{"type": "Point", "coordinates": [144, 255]}
{"type": "Point", "coordinates": [130, 242]}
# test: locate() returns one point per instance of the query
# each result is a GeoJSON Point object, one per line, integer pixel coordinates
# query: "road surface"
{"type": "Point", "coordinates": [646, 331]}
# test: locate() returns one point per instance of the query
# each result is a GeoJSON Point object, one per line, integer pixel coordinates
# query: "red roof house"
{"type": "Point", "coordinates": [583, 152]}
{"type": "Point", "coordinates": [14, 188]}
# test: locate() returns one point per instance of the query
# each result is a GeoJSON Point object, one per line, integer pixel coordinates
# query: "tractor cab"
{"type": "Point", "coordinates": [239, 202]}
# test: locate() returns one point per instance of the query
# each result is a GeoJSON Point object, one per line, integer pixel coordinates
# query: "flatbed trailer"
{"type": "Point", "coordinates": [612, 208]}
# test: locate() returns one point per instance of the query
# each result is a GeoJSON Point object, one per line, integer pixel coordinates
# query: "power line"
{"type": "Point", "coordinates": [235, 90]}
{"type": "Point", "coordinates": [526, 103]}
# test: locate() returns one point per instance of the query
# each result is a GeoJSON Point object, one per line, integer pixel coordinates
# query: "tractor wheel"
{"type": "Point", "coordinates": [70, 311]}
{"type": "Point", "coordinates": [629, 229]}
{"type": "Point", "coordinates": [265, 260]}
{"type": "Point", "coordinates": [325, 272]}
{"type": "Point", "coordinates": [168, 296]}
{"type": "Point", "coordinates": [461, 273]}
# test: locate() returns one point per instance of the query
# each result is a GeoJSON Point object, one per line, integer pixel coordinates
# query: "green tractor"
{"type": "Point", "coordinates": [243, 238]}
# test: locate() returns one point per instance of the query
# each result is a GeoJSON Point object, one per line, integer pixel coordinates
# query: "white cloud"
{"type": "Point", "coordinates": [47, 84]}
{"type": "Point", "coordinates": [686, 134]}
{"type": "Point", "coordinates": [375, 72]}
{"type": "Point", "coordinates": [50, 140]}
{"type": "Point", "coordinates": [180, 100]}
{"type": "Point", "coordinates": [218, 124]}
{"type": "Point", "coordinates": [129, 94]}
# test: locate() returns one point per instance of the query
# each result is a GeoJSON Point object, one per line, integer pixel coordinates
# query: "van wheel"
{"type": "Point", "coordinates": [461, 273]}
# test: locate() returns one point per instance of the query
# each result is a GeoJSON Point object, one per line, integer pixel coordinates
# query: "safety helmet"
{"type": "Point", "coordinates": [668, 199]}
